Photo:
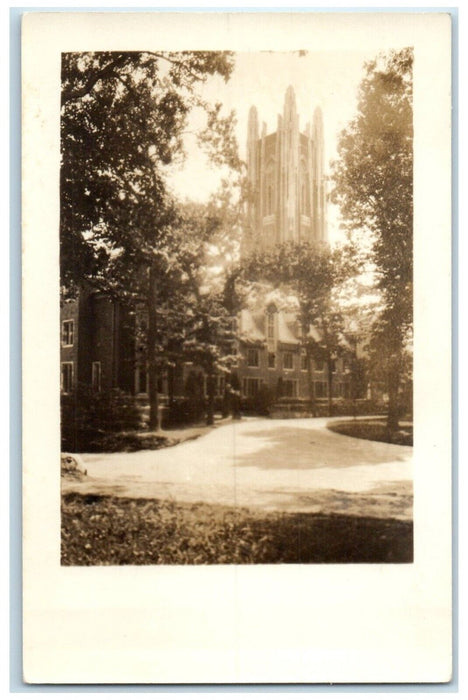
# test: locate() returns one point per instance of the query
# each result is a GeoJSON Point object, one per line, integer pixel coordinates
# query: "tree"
{"type": "Point", "coordinates": [208, 319]}
{"type": "Point", "coordinates": [123, 117]}
{"type": "Point", "coordinates": [373, 185]}
{"type": "Point", "coordinates": [312, 274]}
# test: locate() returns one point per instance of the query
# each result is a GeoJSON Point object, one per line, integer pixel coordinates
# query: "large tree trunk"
{"type": "Point", "coordinates": [154, 420]}
{"type": "Point", "coordinates": [330, 385]}
{"type": "Point", "coordinates": [210, 403]}
{"type": "Point", "coordinates": [310, 378]}
{"type": "Point", "coordinates": [170, 384]}
{"type": "Point", "coordinates": [393, 386]}
{"type": "Point", "coordinates": [235, 396]}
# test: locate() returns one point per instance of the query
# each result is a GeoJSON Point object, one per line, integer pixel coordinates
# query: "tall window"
{"type": "Point", "coordinates": [66, 377]}
{"type": "Point", "coordinates": [288, 362]}
{"type": "Point", "coordinates": [289, 388]}
{"type": "Point", "coordinates": [219, 385]}
{"type": "Point", "coordinates": [270, 326]}
{"type": "Point", "coordinates": [303, 361]}
{"type": "Point", "coordinates": [67, 333]}
{"type": "Point", "coordinates": [271, 360]}
{"type": "Point", "coordinates": [250, 386]}
{"type": "Point", "coordinates": [252, 357]}
{"type": "Point", "coordinates": [269, 182]}
{"type": "Point", "coordinates": [304, 194]}
{"type": "Point", "coordinates": [96, 376]}
{"type": "Point", "coordinates": [270, 199]}
{"type": "Point", "coordinates": [321, 390]}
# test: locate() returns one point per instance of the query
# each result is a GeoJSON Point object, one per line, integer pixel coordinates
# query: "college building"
{"type": "Point", "coordinates": [287, 203]}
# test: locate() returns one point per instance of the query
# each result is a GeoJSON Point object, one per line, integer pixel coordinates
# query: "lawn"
{"type": "Point", "coordinates": [106, 530]}
{"type": "Point", "coordinates": [374, 429]}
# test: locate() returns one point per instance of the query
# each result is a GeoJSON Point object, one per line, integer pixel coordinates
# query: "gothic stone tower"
{"type": "Point", "coordinates": [287, 200]}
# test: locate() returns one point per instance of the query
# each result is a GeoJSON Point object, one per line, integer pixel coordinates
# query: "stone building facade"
{"type": "Point", "coordinates": [285, 171]}
{"type": "Point", "coordinates": [287, 203]}
{"type": "Point", "coordinates": [97, 344]}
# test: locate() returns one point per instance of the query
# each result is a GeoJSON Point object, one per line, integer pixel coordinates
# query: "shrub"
{"type": "Point", "coordinates": [183, 411]}
{"type": "Point", "coordinates": [259, 404]}
{"type": "Point", "coordinates": [88, 417]}
{"type": "Point", "coordinates": [373, 430]}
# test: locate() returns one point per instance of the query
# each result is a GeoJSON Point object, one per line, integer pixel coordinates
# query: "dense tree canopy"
{"type": "Point", "coordinates": [123, 119]}
{"type": "Point", "coordinates": [373, 177]}
{"type": "Point", "coordinates": [311, 275]}
{"type": "Point", "coordinates": [373, 185]}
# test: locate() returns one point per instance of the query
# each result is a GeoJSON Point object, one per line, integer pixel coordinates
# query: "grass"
{"type": "Point", "coordinates": [375, 429]}
{"type": "Point", "coordinates": [106, 530]}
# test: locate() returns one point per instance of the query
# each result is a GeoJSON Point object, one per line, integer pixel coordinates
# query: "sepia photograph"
{"type": "Point", "coordinates": [236, 347]}
{"type": "Point", "coordinates": [236, 307]}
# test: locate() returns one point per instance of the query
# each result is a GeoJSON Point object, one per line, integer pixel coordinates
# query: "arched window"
{"type": "Point", "coordinates": [304, 189]}
{"type": "Point", "coordinates": [269, 206]}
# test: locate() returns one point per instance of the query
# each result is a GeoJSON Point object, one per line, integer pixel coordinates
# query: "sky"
{"type": "Point", "coordinates": [326, 79]}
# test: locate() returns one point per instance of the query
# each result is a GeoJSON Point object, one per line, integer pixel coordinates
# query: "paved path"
{"type": "Point", "coordinates": [293, 465]}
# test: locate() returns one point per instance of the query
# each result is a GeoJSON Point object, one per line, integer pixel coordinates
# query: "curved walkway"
{"type": "Point", "coordinates": [294, 465]}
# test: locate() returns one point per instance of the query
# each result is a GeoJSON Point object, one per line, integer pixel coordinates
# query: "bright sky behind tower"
{"type": "Point", "coordinates": [326, 79]}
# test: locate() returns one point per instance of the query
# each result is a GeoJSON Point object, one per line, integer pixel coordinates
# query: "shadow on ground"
{"type": "Point", "coordinates": [306, 448]}
{"type": "Point", "coordinates": [100, 530]}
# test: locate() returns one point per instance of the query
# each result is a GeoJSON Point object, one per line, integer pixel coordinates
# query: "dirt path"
{"type": "Point", "coordinates": [294, 465]}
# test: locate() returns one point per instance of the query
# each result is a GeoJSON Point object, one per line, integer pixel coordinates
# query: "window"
{"type": "Point", "coordinates": [303, 361]}
{"type": "Point", "coordinates": [271, 360]}
{"type": "Point", "coordinates": [304, 188]}
{"type": "Point", "coordinates": [66, 377]}
{"type": "Point", "coordinates": [321, 390]}
{"type": "Point", "coordinates": [270, 326]}
{"type": "Point", "coordinates": [252, 357]}
{"type": "Point", "coordinates": [269, 181]}
{"type": "Point", "coordinates": [67, 333]}
{"type": "Point", "coordinates": [219, 385]}
{"type": "Point", "coordinates": [318, 365]}
{"type": "Point", "coordinates": [269, 199]}
{"type": "Point", "coordinates": [289, 388]}
{"type": "Point", "coordinates": [288, 362]}
{"type": "Point", "coordinates": [250, 386]}
{"type": "Point", "coordinates": [96, 376]}
{"type": "Point", "coordinates": [333, 365]}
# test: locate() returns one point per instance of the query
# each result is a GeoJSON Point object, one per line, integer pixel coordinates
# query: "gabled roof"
{"type": "Point", "coordinates": [249, 331]}
{"type": "Point", "coordinates": [252, 328]}
{"type": "Point", "coordinates": [286, 332]}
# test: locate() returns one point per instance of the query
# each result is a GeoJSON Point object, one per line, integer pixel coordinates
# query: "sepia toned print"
{"type": "Point", "coordinates": [224, 359]}
{"type": "Point", "coordinates": [236, 262]}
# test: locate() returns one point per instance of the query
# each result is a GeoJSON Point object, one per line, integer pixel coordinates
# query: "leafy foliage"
{"type": "Point", "coordinates": [311, 275]}
{"type": "Point", "coordinates": [100, 530]}
{"type": "Point", "coordinates": [87, 417]}
{"type": "Point", "coordinates": [123, 117]}
{"type": "Point", "coordinates": [123, 120]}
{"type": "Point", "coordinates": [373, 185]}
